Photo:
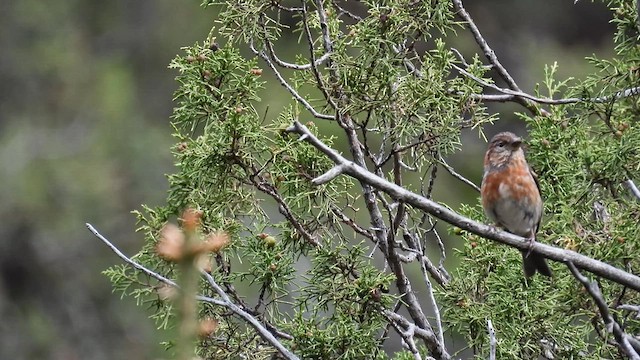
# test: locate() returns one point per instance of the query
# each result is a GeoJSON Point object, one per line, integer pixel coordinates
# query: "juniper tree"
{"type": "Point", "coordinates": [316, 230]}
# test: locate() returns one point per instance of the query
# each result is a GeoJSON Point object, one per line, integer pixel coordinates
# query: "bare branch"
{"type": "Point", "coordinates": [491, 55]}
{"type": "Point", "coordinates": [324, 27]}
{"type": "Point", "coordinates": [633, 188]}
{"type": "Point", "coordinates": [225, 302]}
{"type": "Point", "coordinates": [432, 299]}
{"type": "Point", "coordinates": [492, 340]}
{"type": "Point", "coordinates": [441, 212]}
{"type": "Point", "coordinates": [403, 323]}
{"type": "Point", "coordinates": [512, 95]}
{"type": "Point", "coordinates": [292, 66]}
{"type": "Point", "coordinates": [129, 261]}
{"type": "Point", "coordinates": [625, 342]}
{"type": "Point", "coordinates": [351, 223]}
{"type": "Point", "coordinates": [346, 12]}
{"type": "Point", "coordinates": [314, 68]}
{"type": "Point", "coordinates": [290, 88]}
{"type": "Point", "coordinates": [453, 173]}
{"type": "Point", "coordinates": [633, 308]}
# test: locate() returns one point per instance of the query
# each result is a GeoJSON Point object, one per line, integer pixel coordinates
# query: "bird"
{"type": "Point", "coordinates": [511, 196]}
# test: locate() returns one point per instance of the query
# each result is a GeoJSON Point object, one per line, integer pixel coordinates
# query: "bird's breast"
{"type": "Point", "coordinates": [510, 197]}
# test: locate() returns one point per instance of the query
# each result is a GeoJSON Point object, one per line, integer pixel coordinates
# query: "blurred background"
{"type": "Point", "coordinates": [85, 101]}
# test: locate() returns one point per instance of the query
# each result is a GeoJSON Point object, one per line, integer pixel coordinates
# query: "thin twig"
{"type": "Point", "coordinates": [225, 302]}
{"type": "Point", "coordinates": [633, 188]}
{"type": "Point", "coordinates": [625, 342]}
{"type": "Point", "coordinates": [129, 261]}
{"type": "Point", "coordinates": [492, 340]}
{"type": "Point", "coordinates": [512, 95]}
{"type": "Point", "coordinates": [432, 299]}
{"type": "Point", "coordinates": [456, 175]}
{"type": "Point", "coordinates": [491, 56]}
{"type": "Point", "coordinates": [290, 88]}
{"type": "Point", "coordinates": [292, 66]}
{"type": "Point", "coordinates": [312, 56]}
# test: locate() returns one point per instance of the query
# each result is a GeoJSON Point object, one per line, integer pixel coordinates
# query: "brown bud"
{"type": "Point", "coordinates": [206, 74]}
{"type": "Point", "coordinates": [273, 267]}
{"type": "Point", "coordinates": [620, 239]}
{"type": "Point", "coordinates": [170, 245]}
{"type": "Point", "coordinates": [239, 110]}
{"type": "Point", "coordinates": [256, 71]}
{"type": "Point", "coordinates": [545, 142]}
{"type": "Point", "coordinates": [375, 294]}
{"type": "Point", "coordinates": [474, 244]}
{"type": "Point", "coordinates": [191, 219]}
{"type": "Point", "coordinates": [216, 241]}
{"type": "Point", "coordinates": [190, 58]}
{"type": "Point", "coordinates": [166, 292]}
{"type": "Point", "coordinates": [206, 327]}
{"type": "Point", "coordinates": [203, 262]}
{"type": "Point", "coordinates": [201, 57]}
{"type": "Point", "coordinates": [618, 133]}
{"type": "Point", "coordinates": [181, 147]}
{"type": "Point", "coordinates": [262, 236]}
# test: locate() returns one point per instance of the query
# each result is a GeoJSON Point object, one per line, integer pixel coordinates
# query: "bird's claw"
{"type": "Point", "coordinates": [530, 241]}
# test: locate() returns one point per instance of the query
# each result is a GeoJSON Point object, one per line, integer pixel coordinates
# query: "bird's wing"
{"type": "Point", "coordinates": [535, 179]}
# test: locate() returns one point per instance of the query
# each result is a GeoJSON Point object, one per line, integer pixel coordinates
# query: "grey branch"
{"type": "Point", "coordinates": [290, 88]}
{"type": "Point", "coordinates": [512, 95]}
{"type": "Point", "coordinates": [509, 95]}
{"type": "Point", "coordinates": [126, 259]}
{"type": "Point", "coordinates": [492, 340]}
{"type": "Point", "coordinates": [292, 66]}
{"type": "Point", "coordinates": [633, 188]}
{"type": "Point", "coordinates": [628, 344]}
{"type": "Point", "coordinates": [264, 333]}
{"type": "Point", "coordinates": [403, 325]}
{"type": "Point", "coordinates": [441, 212]}
{"type": "Point", "coordinates": [491, 56]}
{"type": "Point", "coordinates": [488, 52]}
{"type": "Point", "coordinates": [453, 173]}
{"type": "Point", "coordinates": [631, 308]}
{"type": "Point", "coordinates": [225, 302]}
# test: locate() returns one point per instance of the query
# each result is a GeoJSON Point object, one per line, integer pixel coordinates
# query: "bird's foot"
{"type": "Point", "coordinates": [530, 241]}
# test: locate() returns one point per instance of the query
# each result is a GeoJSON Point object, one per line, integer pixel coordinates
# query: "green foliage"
{"type": "Point", "coordinates": [297, 259]}
{"type": "Point", "coordinates": [582, 154]}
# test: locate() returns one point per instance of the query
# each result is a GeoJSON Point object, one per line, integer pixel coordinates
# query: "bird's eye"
{"type": "Point", "coordinates": [501, 144]}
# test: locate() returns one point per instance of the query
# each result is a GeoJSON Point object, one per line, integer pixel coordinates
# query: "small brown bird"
{"type": "Point", "coordinates": [511, 195]}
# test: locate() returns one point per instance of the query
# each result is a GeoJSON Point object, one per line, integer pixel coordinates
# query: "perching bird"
{"type": "Point", "coordinates": [511, 195]}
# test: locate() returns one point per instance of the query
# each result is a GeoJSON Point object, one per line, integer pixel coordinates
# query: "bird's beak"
{"type": "Point", "coordinates": [516, 143]}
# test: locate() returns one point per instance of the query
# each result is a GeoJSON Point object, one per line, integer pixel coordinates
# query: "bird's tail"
{"type": "Point", "coordinates": [532, 262]}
